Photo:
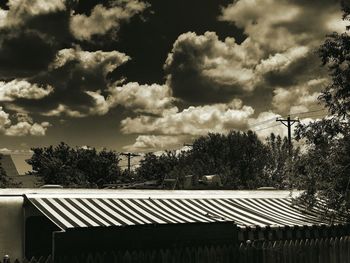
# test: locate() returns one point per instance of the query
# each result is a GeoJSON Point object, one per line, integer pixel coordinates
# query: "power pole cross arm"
{"type": "Point", "coordinates": [288, 123]}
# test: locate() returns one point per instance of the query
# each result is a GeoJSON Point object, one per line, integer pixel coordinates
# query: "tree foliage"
{"type": "Point", "coordinates": [4, 180]}
{"type": "Point", "coordinates": [323, 171]}
{"type": "Point", "coordinates": [239, 158]}
{"type": "Point", "coordinates": [75, 167]}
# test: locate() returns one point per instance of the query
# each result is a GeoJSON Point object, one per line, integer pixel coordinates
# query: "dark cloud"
{"type": "Point", "coordinates": [299, 71]}
{"type": "Point", "coordinates": [28, 48]}
{"type": "Point", "coordinates": [203, 69]}
{"type": "Point", "coordinates": [72, 74]}
{"type": "Point", "coordinates": [148, 39]}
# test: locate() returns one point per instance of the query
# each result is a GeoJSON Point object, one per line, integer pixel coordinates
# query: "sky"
{"type": "Point", "coordinates": [140, 76]}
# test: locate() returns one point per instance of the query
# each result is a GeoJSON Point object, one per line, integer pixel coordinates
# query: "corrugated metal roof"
{"type": "Point", "coordinates": [128, 208]}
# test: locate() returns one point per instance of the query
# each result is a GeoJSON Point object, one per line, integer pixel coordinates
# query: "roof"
{"type": "Point", "coordinates": [80, 208]}
{"type": "Point", "coordinates": [8, 165]}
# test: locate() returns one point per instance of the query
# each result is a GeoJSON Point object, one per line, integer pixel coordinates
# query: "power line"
{"type": "Point", "coordinates": [261, 129]}
{"type": "Point", "coordinates": [300, 113]}
{"type": "Point", "coordinates": [288, 123]}
{"type": "Point", "coordinates": [273, 119]}
{"type": "Point", "coordinates": [313, 116]}
{"type": "Point", "coordinates": [262, 122]}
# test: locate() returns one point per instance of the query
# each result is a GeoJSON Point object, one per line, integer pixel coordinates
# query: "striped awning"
{"type": "Point", "coordinates": [96, 211]}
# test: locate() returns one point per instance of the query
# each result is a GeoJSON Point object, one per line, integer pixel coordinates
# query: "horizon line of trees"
{"type": "Point", "coordinates": [241, 160]}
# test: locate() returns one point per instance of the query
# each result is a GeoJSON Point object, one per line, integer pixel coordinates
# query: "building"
{"type": "Point", "coordinates": [22, 180]}
{"type": "Point", "coordinates": [72, 223]}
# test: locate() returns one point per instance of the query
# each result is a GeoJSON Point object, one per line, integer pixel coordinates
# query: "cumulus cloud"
{"type": "Point", "coordinates": [278, 51]}
{"type": "Point", "coordinates": [22, 89]}
{"type": "Point", "coordinates": [90, 60]}
{"type": "Point", "coordinates": [151, 143]}
{"type": "Point", "coordinates": [145, 99]}
{"type": "Point", "coordinates": [81, 83]}
{"type": "Point", "coordinates": [31, 32]}
{"type": "Point", "coordinates": [191, 121]}
{"type": "Point", "coordinates": [298, 98]}
{"type": "Point", "coordinates": [64, 110]}
{"type": "Point", "coordinates": [22, 10]}
{"type": "Point", "coordinates": [153, 98]}
{"type": "Point", "coordinates": [102, 19]}
{"type": "Point", "coordinates": [265, 123]}
{"type": "Point", "coordinates": [304, 23]}
{"type": "Point", "coordinates": [201, 68]}
{"type": "Point", "coordinates": [23, 127]}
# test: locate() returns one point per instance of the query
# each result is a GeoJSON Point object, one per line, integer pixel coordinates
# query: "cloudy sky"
{"type": "Point", "coordinates": [139, 76]}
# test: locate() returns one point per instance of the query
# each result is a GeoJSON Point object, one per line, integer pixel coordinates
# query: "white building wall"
{"type": "Point", "coordinates": [11, 227]}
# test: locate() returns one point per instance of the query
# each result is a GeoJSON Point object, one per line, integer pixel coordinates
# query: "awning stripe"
{"type": "Point", "coordinates": [84, 209]}
{"type": "Point", "coordinates": [84, 220]}
{"type": "Point", "coordinates": [114, 215]}
{"type": "Point", "coordinates": [260, 209]}
{"type": "Point", "coordinates": [204, 211]}
{"type": "Point", "coordinates": [137, 204]}
{"type": "Point", "coordinates": [125, 215]}
{"type": "Point", "coordinates": [168, 210]}
{"type": "Point", "coordinates": [47, 210]}
{"type": "Point", "coordinates": [267, 212]}
{"type": "Point", "coordinates": [97, 211]}
{"type": "Point", "coordinates": [106, 214]}
{"type": "Point", "coordinates": [258, 220]}
{"type": "Point", "coordinates": [233, 211]}
{"type": "Point", "coordinates": [276, 209]}
{"type": "Point", "coordinates": [128, 209]}
{"type": "Point", "coordinates": [213, 216]}
{"type": "Point", "coordinates": [286, 218]}
{"type": "Point", "coordinates": [200, 217]}
{"type": "Point", "coordinates": [288, 210]}
{"type": "Point", "coordinates": [171, 217]}
{"type": "Point", "coordinates": [63, 213]}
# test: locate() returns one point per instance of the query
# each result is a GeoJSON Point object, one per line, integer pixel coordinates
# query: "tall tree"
{"type": "Point", "coordinates": [4, 180]}
{"type": "Point", "coordinates": [324, 170]}
{"type": "Point", "coordinates": [75, 167]}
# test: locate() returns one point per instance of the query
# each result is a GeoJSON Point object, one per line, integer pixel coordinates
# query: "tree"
{"type": "Point", "coordinates": [153, 167]}
{"type": "Point", "coordinates": [278, 163]}
{"type": "Point", "coordinates": [324, 170]}
{"type": "Point", "coordinates": [78, 167]}
{"type": "Point", "coordinates": [4, 180]}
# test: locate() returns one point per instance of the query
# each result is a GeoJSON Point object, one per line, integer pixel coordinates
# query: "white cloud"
{"type": "Point", "coordinates": [281, 61]}
{"type": "Point", "coordinates": [279, 50]}
{"type": "Point", "coordinates": [141, 98]}
{"type": "Point", "coordinates": [22, 89]}
{"type": "Point", "coordinates": [102, 19]}
{"type": "Point", "coordinates": [265, 123]}
{"type": "Point", "coordinates": [191, 121]}
{"type": "Point", "coordinates": [23, 127]}
{"type": "Point", "coordinates": [64, 110]}
{"type": "Point", "coordinates": [101, 106]}
{"type": "Point", "coordinates": [303, 96]}
{"type": "Point", "coordinates": [107, 60]}
{"type": "Point", "coordinates": [5, 150]}
{"type": "Point", "coordinates": [21, 10]}
{"type": "Point", "coordinates": [4, 119]}
{"type": "Point", "coordinates": [151, 143]}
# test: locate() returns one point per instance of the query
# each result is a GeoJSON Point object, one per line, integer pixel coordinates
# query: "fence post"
{"type": "Point", "coordinates": [6, 259]}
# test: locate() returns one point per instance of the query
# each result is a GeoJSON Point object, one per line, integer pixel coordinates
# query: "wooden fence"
{"type": "Point", "coordinates": [323, 250]}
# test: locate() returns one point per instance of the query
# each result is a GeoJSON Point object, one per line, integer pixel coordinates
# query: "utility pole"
{"type": "Point", "coordinates": [129, 155]}
{"type": "Point", "coordinates": [288, 123]}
